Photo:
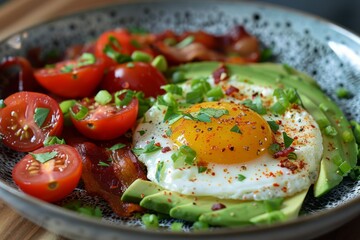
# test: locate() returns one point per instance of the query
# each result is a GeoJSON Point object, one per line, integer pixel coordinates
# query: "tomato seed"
{"type": "Point", "coordinates": [53, 185]}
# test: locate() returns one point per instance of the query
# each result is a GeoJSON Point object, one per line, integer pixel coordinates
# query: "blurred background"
{"type": "Point", "coordinates": [344, 12]}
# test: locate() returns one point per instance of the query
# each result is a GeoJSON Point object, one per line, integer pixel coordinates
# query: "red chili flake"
{"type": "Point", "coordinates": [217, 206]}
{"type": "Point", "coordinates": [284, 153]}
{"type": "Point", "coordinates": [142, 195]}
{"type": "Point", "coordinates": [165, 149]}
{"type": "Point", "coordinates": [284, 189]}
{"type": "Point", "coordinates": [114, 186]}
{"type": "Point", "coordinates": [169, 200]}
{"type": "Point", "coordinates": [286, 163]}
{"type": "Point", "coordinates": [276, 185]}
{"type": "Point", "coordinates": [301, 164]}
{"type": "Point", "coordinates": [157, 144]}
{"type": "Point", "coordinates": [231, 90]}
{"type": "Point", "coordinates": [220, 74]}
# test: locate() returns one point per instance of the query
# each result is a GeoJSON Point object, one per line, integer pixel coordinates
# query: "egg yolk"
{"type": "Point", "coordinates": [231, 134]}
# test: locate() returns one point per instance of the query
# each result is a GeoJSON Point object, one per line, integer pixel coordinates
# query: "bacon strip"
{"type": "Point", "coordinates": [110, 182]}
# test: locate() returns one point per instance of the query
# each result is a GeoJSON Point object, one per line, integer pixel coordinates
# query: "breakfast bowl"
{"type": "Point", "coordinates": [324, 51]}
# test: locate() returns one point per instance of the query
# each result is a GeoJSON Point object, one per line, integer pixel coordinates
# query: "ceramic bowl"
{"type": "Point", "coordinates": [325, 51]}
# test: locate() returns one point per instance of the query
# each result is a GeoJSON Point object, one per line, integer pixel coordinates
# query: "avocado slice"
{"type": "Point", "coordinates": [191, 208]}
{"type": "Point", "coordinates": [277, 75]}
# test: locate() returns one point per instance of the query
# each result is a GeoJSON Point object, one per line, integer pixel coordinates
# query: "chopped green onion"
{"type": "Point", "coordinates": [103, 164]}
{"type": "Point", "coordinates": [273, 204]}
{"type": "Point", "coordinates": [144, 103]}
{"type": "Point", "coordinates": [178, 77]}
{"type": "Point", "coordinates": [343, 93]}
{"type": "Point", "coordinates": [274, 126]}
{"type": "Point", "coordinates": [176, 226]}
{"type": "Point", "coordinates": [198, 225]}
{"type": "Point", "coordinates": [126, 100]}
{"type": "Point", "coordinates": [255, 105]}
{"type": "Point", "coordinates": [201, 169]}
{"type": "Point", "coordinates": [77, 206]}
{"type": "Point", "coordinates": [66, 105]}
{"type": "Point", "coordinates": [139, 56]}
{"type": "Point", "coordinates": [292, 156]}
{"type": "Point", "coordinates": [117, 146]}
{"type": "Point", "coordinates": [2, 103]}
{"type": "Point", "coordinates": [195, 96]}
{"type": "Point", "coordinates": [51, 140]}
{"type": "Point", "coordinates": [40, 115]}
{"type": "Point", "coordinates": [160, 63]}
{"type": "Point", "coordinates": [287, 140]}
{"type": "Point", "coordinates": [103, 97]}
{"type": "Point", "coordinates": [81, 114]}
{"type": "Point", "coordinates": [173, 88]}
{"type": "Point", "coordinates": [241, 177]}
{"type": "Point", "coordinates": [337, 159]}
{"type": "Point", "coordinates": [86, 59]}
{"type": "Point", "coordinates": [235, 129]}
{"type": "Point", "coordinates": [67, 68]}
{"type": "Point", "coordinates": [116, 56]}
{"type": "Point", "coordinates": [347, 136]}
{"type": "Point", "coordinates": [345, 168]}
{"type": "Point", "coordinates": [149, 148]}
{"type": "Point", "coordinates": [278, 108]}
{"type": "Point", "coordinates": [292, 95]}
{"type": "Point", "coordinates": [330, 131]}
{"type": "Point", "coordinates": [215, 94]}
{"type": "Point", "coordinates": [44, 157]}
{"type": "Point", "coordinates": [184, 155]}
{"type": "Point", "coordinates": [168, 132]}
{"type": "Point", "coordinates": [274, 148]}
{"type": "Point", "coordinates": [150, 220]}
{"type": "Point", "coordinates": [159, 171]}
{"type": "Point", "coordinates": [185, 42]}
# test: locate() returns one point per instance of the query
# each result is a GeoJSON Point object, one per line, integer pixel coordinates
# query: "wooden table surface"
{"type": "Point", "coordinates": [19, 14]}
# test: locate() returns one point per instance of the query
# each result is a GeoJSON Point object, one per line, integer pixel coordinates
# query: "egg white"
{"type": "Point", "coordinates": [265, 178]}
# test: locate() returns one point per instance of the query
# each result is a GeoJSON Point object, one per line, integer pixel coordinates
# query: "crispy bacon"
{"type": "Point", "coordinates": [192, 52]}
{"type": "Point", "coordinates": [108, 173]}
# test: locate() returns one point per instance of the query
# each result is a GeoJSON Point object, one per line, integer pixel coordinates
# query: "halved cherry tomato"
{"type": "Point", "coordinates": [28, 119]}
{"type": "Point", "coordinates": [67, 80]}
{"type": "Point", "coordinates": [105, 122]}
{"type": "Point", "coordinates": [119, 40]}
{"type": "Point", "coordinates": [136, 76]}
{"type": "Point", "coordinates": [52, 180]}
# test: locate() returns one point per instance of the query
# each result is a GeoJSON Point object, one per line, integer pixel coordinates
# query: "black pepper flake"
{"type": "Point", "coordinates": [209, 129]}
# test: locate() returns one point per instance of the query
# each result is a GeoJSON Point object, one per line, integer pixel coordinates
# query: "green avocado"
{"type": "Point", "coordinates": [232, 213]}
{"type": "Point", "coordinates": [339, 155]}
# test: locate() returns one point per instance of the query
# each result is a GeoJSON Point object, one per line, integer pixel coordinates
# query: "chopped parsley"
{"type": "Point", "coordinates": [274, 126]}
{"type": "Point", "coordinates": [149, 148]}
{"type": "Point", "coordinates": [44, 157]}
{"type": "Point", "coordinates": [116, 147]}
{"type": "Point", "coordinates": [241, 177]}
{"type": "Point", "coordinates": [185, 155]}
{"type": "Point", "coordinates": [287, 140]}
{"type": "Point", "coordinates": [40, 115]}
{"type": "Point", "coordinates": [235, 129]}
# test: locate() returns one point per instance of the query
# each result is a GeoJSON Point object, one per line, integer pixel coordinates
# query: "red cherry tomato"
{"type": "Point", "coordinates": [119, 40]}
{"type": "Point", "coordinates": [52, 180]}
{"type": "Point", "coordinates": [138, 76]}
{"type": "Point", "coordinates": [69, 81]}
{"type": "Point", "coordinates": [105, 122]}
{"type": "Point", "coordinates": [28, 119]}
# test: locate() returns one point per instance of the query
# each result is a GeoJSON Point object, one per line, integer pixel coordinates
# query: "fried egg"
{"type": "Point", "coordinates": [230, 144]}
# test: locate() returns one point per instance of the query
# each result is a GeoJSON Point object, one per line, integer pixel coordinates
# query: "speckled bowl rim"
{"type": "Point", "coordinates": [338, 215]}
